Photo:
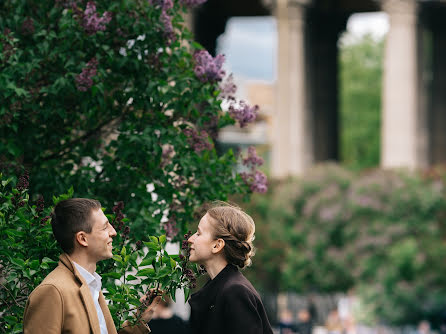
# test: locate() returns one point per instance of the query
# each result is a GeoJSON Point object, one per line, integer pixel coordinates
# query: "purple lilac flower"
{"type": "Point", "coordinates": [40, 205]}
{"type": "Point", "coordinates": [243, 113]}
{"type": "Point", "coordinates": [252, 159]}
{"type": "Point", "coordinates": [259, 183]}
{"type": "Point", "coordinates": [118, 207]}
{"type": "Point", "coordinates": [198, 141]}
{"type": "Point", "coordinates": [171, 229]}
{"type": "Point", "coordinates": [28, 26]}
{"type": "Point", "coordinates": [208, 69]}
{"type": "Point", "coordinates": [92, 22]}
{"type": "Point", "coordinates": [23, 182]}
{"type": "Point", "coordinates": [84, 80]}
{"type": "Point", "coordinates": [44, 220]}
{"type": "Point", "coordinates": [166, 20]}
{"type": "Point", "coordinates": [228, 88]}
{"type": "Point", "coordinates": [256, 180]}
{"type": "Point", "coordinates": [192, 3]}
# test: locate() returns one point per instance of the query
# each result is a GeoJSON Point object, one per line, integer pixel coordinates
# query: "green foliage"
{"type": "Point", "coordinates": [360, 97]}
{"type": "Point", "coordinates": [135, 272]}
{"type": "Point", "coordinates": [379, 232]}
{"type": "Point", "coordinates": [28, 252]}
{"type": "Point", "coordinates": [127, 130]}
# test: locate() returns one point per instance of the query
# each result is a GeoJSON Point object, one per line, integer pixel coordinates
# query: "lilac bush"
{"type": "Point", "coordinates": [378, 232]}
{"type": "Point", "coordinates": [111, 97]}
{"type": "Point", "coordinates": [92, 22]}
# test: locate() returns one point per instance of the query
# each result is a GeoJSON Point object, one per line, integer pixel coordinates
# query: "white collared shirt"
{"type": "Point", "coordinates": [95, 284]}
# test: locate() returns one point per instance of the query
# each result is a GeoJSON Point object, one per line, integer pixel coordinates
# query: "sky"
{"type": "Point", "coordinates": [250, 43]}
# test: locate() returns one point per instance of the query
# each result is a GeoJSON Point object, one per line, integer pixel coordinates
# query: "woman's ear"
{"type": "Point", "coordinates": [81, 238]}
{"type": "Point", "coordinates": [218, 246]}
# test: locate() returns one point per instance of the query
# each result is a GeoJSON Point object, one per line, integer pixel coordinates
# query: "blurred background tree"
{"type": "Point", "coordinates": [360, 65]}
{"type": "Point", "coordinates": [378, 232]}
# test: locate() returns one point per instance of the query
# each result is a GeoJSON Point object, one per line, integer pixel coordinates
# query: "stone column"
{"type": "Point", "coordinates": [438, 91]}
{"type": "Point", "coordinates": [404, 130]}
{"type": "Point", "coordinates": [292, 144]}
{"type": "Point", "coordinates": [324, 32]}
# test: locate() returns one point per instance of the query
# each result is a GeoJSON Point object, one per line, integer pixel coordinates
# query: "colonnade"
{"type": "Point", "coordinates": [305, 123]}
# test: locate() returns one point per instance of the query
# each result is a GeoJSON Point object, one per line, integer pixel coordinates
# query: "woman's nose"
{"type": "Point", "coordinates": [191, 238]}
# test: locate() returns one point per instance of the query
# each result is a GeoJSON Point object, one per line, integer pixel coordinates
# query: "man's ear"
{"type": "Point", "coordinates": [218, 246]}
{"type": "Point", "coordinates": [81, 238]}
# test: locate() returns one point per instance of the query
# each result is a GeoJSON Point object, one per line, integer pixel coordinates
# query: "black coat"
{"type": "Point", "coordinates": [228, 304]}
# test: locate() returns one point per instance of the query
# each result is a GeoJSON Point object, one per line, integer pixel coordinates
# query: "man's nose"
{"type": "Point", "coordinates": [191, 238]}
{"type": "Point", "coordinates": [113, 231]}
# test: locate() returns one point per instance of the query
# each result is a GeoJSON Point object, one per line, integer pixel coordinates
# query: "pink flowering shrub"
{"type": "Point", "coordinates": [378, 232]}
{"type": "Point", "coordinates": [84, 80]}
{"type": "Point", "coordinates": [117, 96]}
{"type": "Point", "coordinates": [92, 22]}
{"type": "Point", "coordinates": [208, 69]}
{"type": "Point", "coordinates": [116, 100]}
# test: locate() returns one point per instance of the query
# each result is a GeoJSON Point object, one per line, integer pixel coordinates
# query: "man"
{"type": "Point", "coordinates": [69, 300]}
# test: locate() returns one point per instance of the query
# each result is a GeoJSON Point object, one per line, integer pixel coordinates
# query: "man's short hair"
{"type": "Point", "coordinates": [71, 216]}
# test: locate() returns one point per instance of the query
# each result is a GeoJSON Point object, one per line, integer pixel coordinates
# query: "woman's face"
{"type": "Point", "coordinates": [202, 242]}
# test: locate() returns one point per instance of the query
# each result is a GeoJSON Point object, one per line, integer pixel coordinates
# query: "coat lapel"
{"type": "Point", "coordinates": [107, 315]}
{"type": "Point", "coordinates": [86, 296]}
{"type": "Point", "coordinates": [87, 299]}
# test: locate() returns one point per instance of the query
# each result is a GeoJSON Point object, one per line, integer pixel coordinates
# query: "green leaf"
{"type": "Point", "coordinates": [146, 272]}
{"type": "Point", "coordinates": [131, 278]}
{"type": "Point", "coordinates": [117, 258]}
{"type": "Point", "coordinates": [133, 259]}
{"type": "Point", "coordinates": [173, 295]}
{"type": "Point", "coordinates": [152, 246]}
{"type": "Point", "coordinates": [19, 262]}
{"type": "Point", "coordinates": [112, 275]}
{"type": "Point", "coordinates": [34, 264]}
{"type": "Point", "coordinates": [186, 294]}
{"type": "Point", "coordinates": [147, 261]}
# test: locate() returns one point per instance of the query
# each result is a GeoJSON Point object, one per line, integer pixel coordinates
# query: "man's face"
{"type": "Point", "coordinates": [101, 236]}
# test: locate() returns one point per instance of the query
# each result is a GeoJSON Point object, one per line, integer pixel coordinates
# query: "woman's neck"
{"type": "Point", "coordinates": [214, 267]}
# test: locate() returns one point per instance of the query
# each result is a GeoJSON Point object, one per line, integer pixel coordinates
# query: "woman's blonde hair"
{"type": "Point", "coordinates": [237, 229]}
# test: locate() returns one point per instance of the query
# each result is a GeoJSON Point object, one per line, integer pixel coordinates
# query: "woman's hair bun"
{"type": "Point", "coordinates": [236, 228]}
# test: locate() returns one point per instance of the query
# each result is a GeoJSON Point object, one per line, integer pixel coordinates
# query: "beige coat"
{"type": "Point", "coordinates": [62, 303]}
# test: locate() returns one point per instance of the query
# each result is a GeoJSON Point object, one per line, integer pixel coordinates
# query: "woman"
{"type": "Point", "coordinates": [228, 303]}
